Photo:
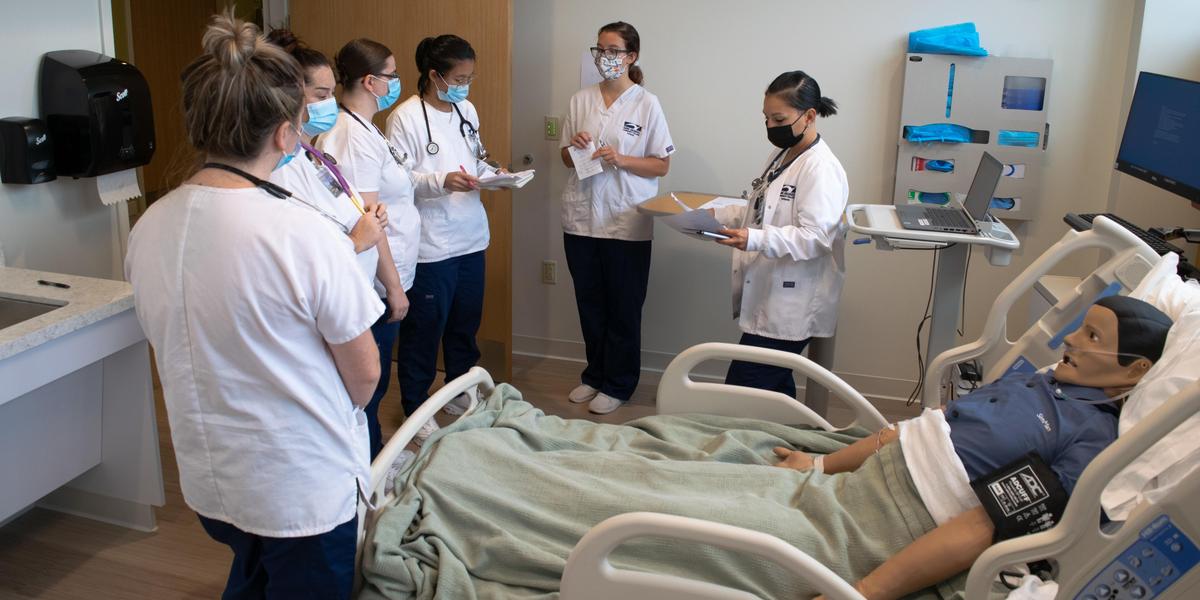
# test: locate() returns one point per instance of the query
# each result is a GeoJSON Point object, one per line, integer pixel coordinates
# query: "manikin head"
{"type": "Point", "coordinates": [1118, 342]}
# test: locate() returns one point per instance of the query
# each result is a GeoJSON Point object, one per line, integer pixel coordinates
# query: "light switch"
{"type": "Point", "coordinates": [553, 126]}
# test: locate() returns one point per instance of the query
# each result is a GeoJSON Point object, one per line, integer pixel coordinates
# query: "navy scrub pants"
{"type": "Point", "coordinates": [446, 306]}
{"type": "Point", "coordinates": [320, 567]}
{"type": "Point", "coordinates": [610, 278]}
{"type": "Point", "coordinates": [765, 377]}
{"type": "Point", "coordinates": [385, 338]}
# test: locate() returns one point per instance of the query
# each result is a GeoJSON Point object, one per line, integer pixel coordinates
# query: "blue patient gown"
{"type": "Point", "coordinates": [1005, 420]}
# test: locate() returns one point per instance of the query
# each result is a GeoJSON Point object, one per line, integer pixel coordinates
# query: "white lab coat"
{"type": "Point", "coordinates": [787, 283]}
{"type": "Point", "coordinates": [454, 224]}
{"type": "Point", "coordinates": [241, 294]}
{"type": "Point", "coordinates": [605, 205]}
{"type": "Point", "coordinates": [366, 160]}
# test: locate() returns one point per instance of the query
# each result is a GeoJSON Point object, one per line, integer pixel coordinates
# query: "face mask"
{"type": "Point", "coordinates": [393, 94]}
{"type": "Point", "coordinates": [287, 158]}
{"type": "Point", "coordinates": [454, 93]}
{"type": "Point", "coordinates": [782, 137]}
{"type": "Point", "coordinates": [611, 68]}
{"type": "Point", "coordinates": [321, 116]}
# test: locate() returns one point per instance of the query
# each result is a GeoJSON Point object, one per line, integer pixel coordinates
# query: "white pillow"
{"type": "Point", "coordinates": [1168, 461]}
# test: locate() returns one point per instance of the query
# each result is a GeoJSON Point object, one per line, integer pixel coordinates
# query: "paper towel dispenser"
{"type": "Point", "coordinates": [97, 110]}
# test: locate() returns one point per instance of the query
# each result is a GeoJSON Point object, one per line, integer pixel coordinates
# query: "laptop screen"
{"type": "Point", "coordinates": [987, 177]}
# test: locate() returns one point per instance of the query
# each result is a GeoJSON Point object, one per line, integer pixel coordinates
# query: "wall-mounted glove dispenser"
{"type": "Point", "coordinates": [26, 151]}
{"type": "Point", "coordinates": [98, 112]}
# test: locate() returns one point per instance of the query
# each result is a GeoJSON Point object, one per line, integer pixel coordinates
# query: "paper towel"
{"type": "Point", "coordinates": [118, 187]}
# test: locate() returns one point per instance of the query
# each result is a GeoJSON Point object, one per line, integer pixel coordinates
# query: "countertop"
{"type": "Point", "coordinates": [89, 300]}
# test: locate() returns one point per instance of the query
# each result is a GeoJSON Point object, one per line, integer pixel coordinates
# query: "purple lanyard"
{"type": "Point", "coordinates": [329, 164]}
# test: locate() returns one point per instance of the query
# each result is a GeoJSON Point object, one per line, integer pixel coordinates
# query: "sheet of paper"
{"type": "Point", "coordinates": [585, 165]}
{"type": "Point", "coordinates": [691, 223]}
{"type": "Point", "coordinates": [506, 180]}
{"type": "Point", "coordinates": [722, 201]}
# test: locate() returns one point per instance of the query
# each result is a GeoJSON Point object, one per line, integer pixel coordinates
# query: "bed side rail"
{"type": "Point", "coordinates": [590, 576]}
{"type": "Point", "coordinates": [1077, 542]}
{"type": "Point", "coordinates": [476, 379]}
{"type": "Point", "coordinates": [1131, 260]}
{"type": "Point", "coordinates": [678, 393]}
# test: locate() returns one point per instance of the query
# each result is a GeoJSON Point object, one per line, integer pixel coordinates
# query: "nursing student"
{"type": "Point", "coordinates": [789, 240]}
{"type": "Point", "coordinates": [607, 243]}
{"type": "Point", "coordinates": [382, 173]}
{"type": "Point", "coordinates": [259, 319]}
{"type": "Point", "coordinates": [438, 128]}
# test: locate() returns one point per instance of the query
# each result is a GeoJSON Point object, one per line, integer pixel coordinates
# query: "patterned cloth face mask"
{"type": "Point", "coordinates": [611, 67]}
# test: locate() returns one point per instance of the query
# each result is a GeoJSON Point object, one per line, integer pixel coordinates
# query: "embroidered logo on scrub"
{"type": "Point", "coordinates": [670, 148]}
{"type": "Point", "coordinates": [789, 284]}
{"type": "Point", "coordinates": [633, 129]}
{"type": "Point", "coordinates": [1045, 424]}
{"type": "Point", "coordinates": [787, 193]}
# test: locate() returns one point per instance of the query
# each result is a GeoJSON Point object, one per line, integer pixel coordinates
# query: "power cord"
{"type": "Point", "coordinates": [916, 393]}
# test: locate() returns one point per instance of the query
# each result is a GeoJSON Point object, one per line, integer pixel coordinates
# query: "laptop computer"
{"type": "Point", "coordinates": [955, 218]}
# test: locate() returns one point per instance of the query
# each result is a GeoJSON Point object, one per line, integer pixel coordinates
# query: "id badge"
{"type": "Point", "coordinates": [396, 156]}
{"type": "Point", "coordinates": [329, 181]}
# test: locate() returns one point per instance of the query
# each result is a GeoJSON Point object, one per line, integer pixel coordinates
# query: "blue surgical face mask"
{"type": "Point", "coordinates": [454, 93]}
{"type": "Point", "coordinates": [393, 94]}
{"type": "Point", "coordinates": [287, 158]}
{"type": "Point", "coordinates": [321, 116]}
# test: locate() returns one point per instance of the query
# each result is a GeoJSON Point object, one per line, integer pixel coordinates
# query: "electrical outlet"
{"type": "Point", "coordinates": [553, 127]}
{"type": "Point", "coordinates": [549, 272]}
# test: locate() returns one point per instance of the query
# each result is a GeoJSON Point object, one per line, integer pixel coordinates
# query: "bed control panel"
{"type": "Point", "coordinates": [1161, 555]}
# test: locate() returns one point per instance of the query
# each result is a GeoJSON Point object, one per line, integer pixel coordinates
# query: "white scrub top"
{"type": "Point", "coordinates": [241, 293]}
{"type": "Point", "coordinates": [454, 224]}
{"type": "Point", "coordinates": [306, 178]}
{"type": "Point", "coordinates": [604, 205]}
{"type": "Point", "coordinates": [368, 162]}
{"type": "Point", "coordinates": [787, 283]}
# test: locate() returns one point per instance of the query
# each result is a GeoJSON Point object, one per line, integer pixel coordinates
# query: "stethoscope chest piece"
{"type": "Point", "coordinates": [432, 148]}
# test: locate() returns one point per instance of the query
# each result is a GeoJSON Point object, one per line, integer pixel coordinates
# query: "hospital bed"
{"type": "Point", "coordinates": [1088, 559]}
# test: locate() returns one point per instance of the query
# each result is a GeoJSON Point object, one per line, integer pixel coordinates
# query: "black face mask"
{"type": "Point", "coordinates": [782, 137]}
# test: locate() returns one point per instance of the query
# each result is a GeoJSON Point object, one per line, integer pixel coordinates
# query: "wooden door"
{"type": "Point", "coordinates": [487, 25]}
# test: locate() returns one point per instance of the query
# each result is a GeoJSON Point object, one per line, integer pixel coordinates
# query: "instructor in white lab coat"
{"type": "Point", "coordinates": [606, 241]}
{"type": "Point", "coordinates": [789, 262]}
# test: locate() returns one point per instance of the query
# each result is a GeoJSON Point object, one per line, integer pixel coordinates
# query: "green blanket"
{"type": "Point", "coordinates": [493, 504]}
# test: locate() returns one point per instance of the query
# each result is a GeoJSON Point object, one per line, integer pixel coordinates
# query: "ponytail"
{"type": "Point", "coordinates": [440, 54]}
{"type": "Point", "coordinates": [635, 74]}
{"type": "Point", "coordinates": [826, 107]}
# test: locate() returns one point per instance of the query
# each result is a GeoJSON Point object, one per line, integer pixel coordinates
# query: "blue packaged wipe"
{"type": "Point", "coordinates": [949, 39]}
{"type": "Point", "coordinates": [1023, 139]}
{"type": "Point", "coordinates": [937, 132]}
{"type": "Point", "coordinates": [943, 166]}
{"type": "Point", "coordinates": [1003, 203]}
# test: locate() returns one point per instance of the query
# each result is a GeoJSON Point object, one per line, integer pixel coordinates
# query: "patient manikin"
{"type": "Point", "coordinates": [1061, 419]}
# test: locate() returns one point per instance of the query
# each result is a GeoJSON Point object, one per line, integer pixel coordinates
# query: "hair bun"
{"type": "Point", "coordinates": [230, 41]}
{"type": "Point", "coordinates": [284, 38]}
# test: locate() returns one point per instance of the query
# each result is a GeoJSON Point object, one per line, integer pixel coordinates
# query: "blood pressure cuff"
{"type": "Point", "coordinates": [1022, 497]}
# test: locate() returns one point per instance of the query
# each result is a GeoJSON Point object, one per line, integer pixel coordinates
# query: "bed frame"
{"type": "Point", "coordinates": [1079, 547]}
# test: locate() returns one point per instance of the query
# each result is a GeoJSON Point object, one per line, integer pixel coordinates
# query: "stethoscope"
{"type": "Point", "coordinates": [276, 190]}
{"type": "Point", "coordinates": [392, 149]}
{"type": "Point", "coordinates": [468, 132]}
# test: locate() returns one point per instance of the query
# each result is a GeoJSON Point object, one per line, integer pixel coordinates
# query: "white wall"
{"type": "Point", "coordinates": [1168, 44]}
{"type": "Point", "coordinates": [709, 62]}
{"type": "Point", "coordinates": [59, 226]}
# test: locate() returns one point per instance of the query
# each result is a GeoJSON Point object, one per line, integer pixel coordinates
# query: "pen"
{"type": "Point", "coordinates": [54, 284]}
{"type": "Point", "coordinates": [463, 169]}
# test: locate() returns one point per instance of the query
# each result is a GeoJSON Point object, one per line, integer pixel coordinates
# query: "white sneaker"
{"type": "Point", "coordinates": [425, 431]}
{"type": "Point", "coordinates": [458, 405]}
{"type": "Point", "coordinates": [583, 393]}
{"type": "Point", "coordinates": [603, 404]}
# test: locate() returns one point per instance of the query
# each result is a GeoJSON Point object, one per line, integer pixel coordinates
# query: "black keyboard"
{"type": "Point", "coordinates": [947, 217]}
{"type": "Point", "coordinates": [1083, 222]}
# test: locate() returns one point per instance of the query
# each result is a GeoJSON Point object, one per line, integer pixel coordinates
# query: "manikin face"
{"type": "Point", "coordinates": [1090, 357]}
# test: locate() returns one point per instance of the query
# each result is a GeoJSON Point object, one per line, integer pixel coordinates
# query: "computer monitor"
{"type": "Point", "coordinates": [1162, 135]}
{"type": "Point", "coordinates": [987, 177]}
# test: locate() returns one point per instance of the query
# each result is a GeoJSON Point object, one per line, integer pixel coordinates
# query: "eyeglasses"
{"type": "Point", "coordinates": [387, 75]}
{"type": "Point", "coordinates": [460, 80]}
{"type": "Point", "coordinates": [597, 52]}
